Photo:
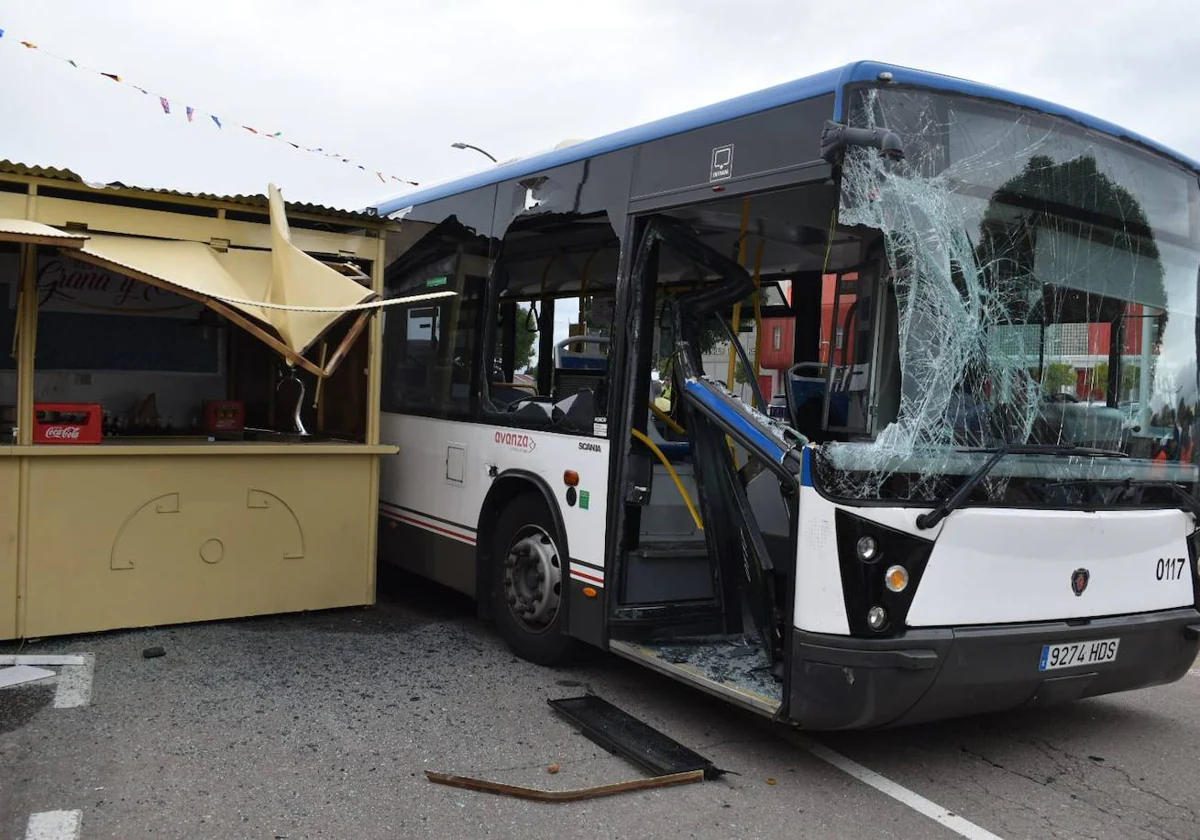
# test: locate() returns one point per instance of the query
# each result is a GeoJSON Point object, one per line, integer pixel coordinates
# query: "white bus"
{"type": "Point", "coordinates": [958, 519]}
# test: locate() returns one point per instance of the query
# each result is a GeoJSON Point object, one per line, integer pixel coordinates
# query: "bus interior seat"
{"type": "Point", "coordinates": [576, 412]}
{"type": "Point", "coordinates": [575, 371]}
{"type": "Point", "coordinates": [570, 381]}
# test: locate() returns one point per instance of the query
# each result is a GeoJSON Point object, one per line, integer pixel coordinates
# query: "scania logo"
{"type": "Point", "coordinates": [590, 447]}
{"type": "Point", "coordinates": [513, 440]}
{"type": "Point", "coordinates": [1079, 581]}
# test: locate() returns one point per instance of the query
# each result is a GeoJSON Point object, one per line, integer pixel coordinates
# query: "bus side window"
{"type": "Point", "coordinates": [429, 351]}
{"type": "Point", "coordinates": [553, 302]}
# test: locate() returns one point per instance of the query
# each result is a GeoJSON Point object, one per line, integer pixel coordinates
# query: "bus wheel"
{"type": "Point", "coordinates": [528, 582]}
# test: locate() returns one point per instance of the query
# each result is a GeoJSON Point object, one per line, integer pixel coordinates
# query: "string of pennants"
{"type": "Point", "coordinates": [191, 113]}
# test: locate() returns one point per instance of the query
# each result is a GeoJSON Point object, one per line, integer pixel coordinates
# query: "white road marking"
{"type": "Point", "coordinates": [11, 675]}
{"type": "Point", "coordinates": [74, 676]}
{"type": "Point", "coordinates": [75, 684]}
{"type": "Point", "coordinates": [34, 659]}
{"type": "Point", "coordinates": [901, 794]}
{"type": "Point", "coordinates": [54, 825]}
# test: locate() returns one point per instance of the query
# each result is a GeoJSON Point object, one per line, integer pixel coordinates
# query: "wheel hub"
{"type": "Point", "coordinates": [533, 578]}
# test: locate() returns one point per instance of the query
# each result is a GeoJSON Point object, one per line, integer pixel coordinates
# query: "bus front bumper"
{"type": "Point", "coordinates": [839, 682]}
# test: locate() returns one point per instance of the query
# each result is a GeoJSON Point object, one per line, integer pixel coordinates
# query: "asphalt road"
{"type": "Point", "coordinates": [322, 726]}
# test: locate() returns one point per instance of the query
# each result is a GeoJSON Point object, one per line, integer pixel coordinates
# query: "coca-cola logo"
{"type": "Point", "coordinates": [516, 440]}
{"type": "Point", "coordinates": [64, 432]}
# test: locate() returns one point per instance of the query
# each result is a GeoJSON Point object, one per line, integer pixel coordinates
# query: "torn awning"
{"type": "Point", "coordinates": [284, 297]}
{"type": "Point", "coordinates": [300, 280]}
{"type": "Point", "coordinates": [36, 233]}
{"type": "Point", "coordinates": [192, 269]}
{"type": "Point", "coordinates": [230, 283]}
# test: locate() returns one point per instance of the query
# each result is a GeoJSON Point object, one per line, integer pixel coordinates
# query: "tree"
{"type": "Point", "coordinates": [526, 337]}
{"type": "Point", "coordinates": [1131, 377]}
{"type": "Point", "coordinates": [1059, 376]}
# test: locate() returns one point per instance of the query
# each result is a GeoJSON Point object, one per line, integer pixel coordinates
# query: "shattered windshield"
{"type": "Point", "coordinates": [1040, 289]}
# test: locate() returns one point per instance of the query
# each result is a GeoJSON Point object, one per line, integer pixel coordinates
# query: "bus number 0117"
{"type": "Point", "coordinates": [1170, 568]}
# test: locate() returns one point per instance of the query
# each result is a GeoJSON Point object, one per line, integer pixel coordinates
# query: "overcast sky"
{"type": "Point", "coordinates": [392, 83]}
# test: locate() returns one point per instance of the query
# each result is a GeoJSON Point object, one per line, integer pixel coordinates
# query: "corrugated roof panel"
{"type": "Point", "coordinates": [257, 200]}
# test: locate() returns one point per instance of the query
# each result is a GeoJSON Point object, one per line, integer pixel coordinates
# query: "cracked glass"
{"type": "Point", "coordinates": [1040, 294]}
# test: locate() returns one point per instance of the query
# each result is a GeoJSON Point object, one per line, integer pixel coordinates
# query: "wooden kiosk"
{"type": "Point", "coordinates": [188, 405]}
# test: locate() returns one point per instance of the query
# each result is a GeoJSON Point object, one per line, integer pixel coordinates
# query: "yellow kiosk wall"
{"type": "Point", "coordinates": [129, 534]}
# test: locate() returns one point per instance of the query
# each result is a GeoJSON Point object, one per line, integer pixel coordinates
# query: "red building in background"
{"type": "Point", "coordinates": [1084, 353]}
{"type": "Point", "coordinates": [779, 334]}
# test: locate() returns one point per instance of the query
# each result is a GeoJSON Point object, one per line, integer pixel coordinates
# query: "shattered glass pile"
{"type": "Point", "coordinates": [1045, 282]}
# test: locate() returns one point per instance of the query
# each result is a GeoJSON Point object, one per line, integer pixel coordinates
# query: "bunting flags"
{"type": "Point", "coordinates": [190, 112]}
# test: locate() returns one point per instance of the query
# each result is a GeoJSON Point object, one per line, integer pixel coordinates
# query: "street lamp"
{"type": "Point", "coordinates": [476, 148]}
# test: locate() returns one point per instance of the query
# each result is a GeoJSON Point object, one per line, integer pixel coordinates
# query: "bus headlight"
{"type": "Point", "coordinates": [896, 578]}
{"type": "Point", "coordinates": [868, 549]}
{"type": "Point", "coordinates": [876, 618]}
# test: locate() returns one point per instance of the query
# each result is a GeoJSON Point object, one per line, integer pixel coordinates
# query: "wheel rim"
{"type": "Point", "coordinates": [533, 579]}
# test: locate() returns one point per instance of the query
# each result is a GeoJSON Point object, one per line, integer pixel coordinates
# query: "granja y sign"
{"type": "Point", "coordinates": [67, 285]}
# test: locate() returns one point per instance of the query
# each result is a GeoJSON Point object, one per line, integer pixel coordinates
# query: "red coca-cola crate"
{"type": "Point", "coordinates": [224, 417]}
{"type": "Point", "coordinates": [67, 423]}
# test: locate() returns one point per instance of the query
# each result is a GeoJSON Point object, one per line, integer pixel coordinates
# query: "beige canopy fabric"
{"type": "Point", "coordinates": [287, 298]}
{"type": "Point", "coordinates": [36, 233]}
{"type": "Point", "coordinates": [299, 280]}
{"type": "Point", "coordinates": [191, 268]}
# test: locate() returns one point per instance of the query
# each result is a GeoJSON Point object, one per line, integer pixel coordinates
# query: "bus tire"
{"type": "Point", "coordinates": [529, 582]}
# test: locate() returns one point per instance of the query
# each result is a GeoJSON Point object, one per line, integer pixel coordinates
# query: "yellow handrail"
{"type": "Point", "coordinates": [666, 418]}
{"type": "Point", "coordinates": [758, 332]}
{"type": "Point", "coordinates": [736, 321]}
{"type": "Point", "coordinates": [674, 476]}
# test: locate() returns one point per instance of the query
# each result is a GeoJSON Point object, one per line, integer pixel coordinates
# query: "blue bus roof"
{"type": "Point", "coordinates": [831, 81]}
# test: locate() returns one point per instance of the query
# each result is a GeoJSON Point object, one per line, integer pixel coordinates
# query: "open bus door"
{"type": "Point", "coordinates": [718, 423]}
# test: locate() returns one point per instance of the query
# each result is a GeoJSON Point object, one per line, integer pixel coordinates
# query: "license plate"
{"type": "Point", "coordinates": [1074, 654]}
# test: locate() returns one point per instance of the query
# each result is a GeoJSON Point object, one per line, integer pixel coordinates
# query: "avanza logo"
{"type": "Point", "coordinates": [515, 440]}
{"type": "Point", "coordinates": [63, 432]}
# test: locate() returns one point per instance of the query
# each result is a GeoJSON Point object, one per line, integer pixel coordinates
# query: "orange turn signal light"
{"type": "Point", "coordinates": [896, 578]}
{"type": "Point", "coordinates": [571, 478]}
{"type": "Point", "coordinates": [590, 592]}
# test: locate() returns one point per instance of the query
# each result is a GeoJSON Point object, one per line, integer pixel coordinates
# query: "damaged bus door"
{"type": "Point", "coordinates": [715, 418]}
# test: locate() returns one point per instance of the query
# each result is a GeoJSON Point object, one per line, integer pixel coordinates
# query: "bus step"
{"type": "Point", "coordinates": [663, 550]}
{"type": "Point", "coordinates": [622, 734]}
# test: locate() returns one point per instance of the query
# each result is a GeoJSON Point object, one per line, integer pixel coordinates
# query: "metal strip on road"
{"type": "Point", "coordinates": [34, 659]}
{"type": "Point", "coordinates": [54, 825]}
{"type": "Point", "coordinates": [901, 794]}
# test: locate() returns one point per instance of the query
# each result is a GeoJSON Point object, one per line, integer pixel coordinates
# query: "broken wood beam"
{"type": "Point", "coordinates": [576, 795]}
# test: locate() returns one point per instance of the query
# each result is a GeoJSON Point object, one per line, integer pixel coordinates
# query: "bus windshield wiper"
{"type": "Point", "coordinates": [1190, 502]}
{"type": "Point", "coordinates": [930, 518]}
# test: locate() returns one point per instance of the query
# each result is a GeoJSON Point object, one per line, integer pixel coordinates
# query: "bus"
{"type": "Point", "coordinates": [983, 493]}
